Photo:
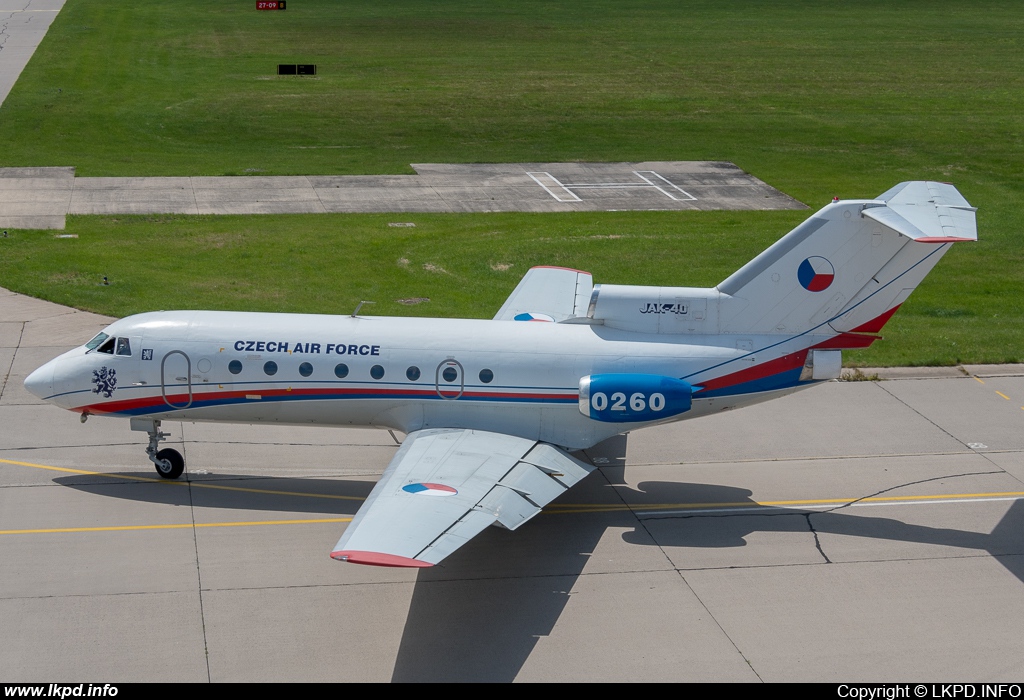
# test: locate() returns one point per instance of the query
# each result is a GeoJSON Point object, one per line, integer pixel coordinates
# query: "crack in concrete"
{"type": "Point", "coordinates": [7, 374]}
{"type": "Point", "coordinates": [817, 540]}
{"type": "Point", "coordinates": [6, 23]}
{"type": "Point", "coordinates": [4, 35]}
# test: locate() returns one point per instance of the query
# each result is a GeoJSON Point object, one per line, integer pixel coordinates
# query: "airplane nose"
{"type": "Point", "coordinates": [40, 382]}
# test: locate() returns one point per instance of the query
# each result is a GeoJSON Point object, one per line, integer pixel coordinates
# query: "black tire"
{"type": "Point", "coordinates": [176, 461]}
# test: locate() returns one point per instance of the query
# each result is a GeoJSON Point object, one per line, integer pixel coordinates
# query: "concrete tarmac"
{"type": "Point", "coordinates": [23, 24]}
{"type": "Point", "coordinates": [858, 531]}
{"type": "Point", "coordinates": [43, 197]}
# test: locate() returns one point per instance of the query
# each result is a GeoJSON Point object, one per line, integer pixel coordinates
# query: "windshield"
{"type": "Point", "coordinates": [96, 342]}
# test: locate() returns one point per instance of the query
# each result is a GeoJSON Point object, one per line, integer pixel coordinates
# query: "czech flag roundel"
{"type": "Point", "coordinates": [428, 489]}
{"type": "Point", "coordinates": [815, 274]}
{"type": "Point", "coordinates": [543, 318]}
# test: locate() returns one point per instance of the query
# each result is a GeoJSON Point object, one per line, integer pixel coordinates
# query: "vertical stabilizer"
{"type": "Point", "coordinates": [847, 268]}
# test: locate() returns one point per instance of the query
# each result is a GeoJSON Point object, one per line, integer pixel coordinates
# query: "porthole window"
{"type": "Point", "coordinates": [341, 371]}
{"type": "Point", "coordinates": [450, 374]}
{"type": "Point", "coordinates": [486, 376]}
{"type": "Point", "coordinates": [270, 368]}
{"type": "Point", "coordinates": [305, 369]}
{"type": "Point", "coordinates": [376, 371]}
{"type": "Point", "coordinates": [234, 367]}
{"type": "Point", "coordinates": [413, 373]}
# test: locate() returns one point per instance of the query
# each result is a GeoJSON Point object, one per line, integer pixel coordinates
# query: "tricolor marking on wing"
{"type": "Point", "coordinates": [428, 489]}
{"type": "Point", "coordinates": [544, 318]}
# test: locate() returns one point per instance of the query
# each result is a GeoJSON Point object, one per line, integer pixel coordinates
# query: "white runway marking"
{"type": "Point", "coordinates": [647, 176]}
{"type": "Point", "coordinates": [570, 197]}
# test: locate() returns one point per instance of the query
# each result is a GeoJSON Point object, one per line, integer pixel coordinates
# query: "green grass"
{"type": "Point", "coordinates": [465, 266]}
{"type": "Point", "coordinates": [815, 98]}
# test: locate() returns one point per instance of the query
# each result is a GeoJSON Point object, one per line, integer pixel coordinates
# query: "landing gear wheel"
{"type": "Point", "coordinates": [169, 463]}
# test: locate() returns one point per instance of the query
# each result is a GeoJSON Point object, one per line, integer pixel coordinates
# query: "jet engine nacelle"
{"type": "Point", "coordinates": [633, 398]}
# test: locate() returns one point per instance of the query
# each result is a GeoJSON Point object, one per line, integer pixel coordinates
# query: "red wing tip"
{"type": "Point", "coordinates": [943, 239]}
{"type": "Point", "coordinates": [559, 267]}
{"type": "Point", "coordinates": [378, 559]}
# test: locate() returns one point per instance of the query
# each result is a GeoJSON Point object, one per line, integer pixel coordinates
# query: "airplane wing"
{"type": "Point", "coordinates": [548, 294]}
{"type": "Point", "coordinates": [444, 486]}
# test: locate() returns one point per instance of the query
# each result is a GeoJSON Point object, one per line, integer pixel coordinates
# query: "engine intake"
{"type": "Point", "coordinates": [633, 398]}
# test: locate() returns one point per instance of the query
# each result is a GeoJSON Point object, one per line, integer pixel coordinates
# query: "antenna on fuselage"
{"type": "Point", "coordinates": [356, 312]}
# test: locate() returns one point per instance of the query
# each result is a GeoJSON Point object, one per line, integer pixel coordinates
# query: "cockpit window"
{"type": "Point", "coordinates": [96, 342]}
{"type": "Point", "coordinates": [124, 347]}
{"type": "Point", "coordinates": [107, 348]}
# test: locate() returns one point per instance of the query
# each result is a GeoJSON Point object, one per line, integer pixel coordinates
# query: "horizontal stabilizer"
{"type": "Point", "coordinates": [928, 212]}
{"type": "Point", "coordinates": [548, 294]}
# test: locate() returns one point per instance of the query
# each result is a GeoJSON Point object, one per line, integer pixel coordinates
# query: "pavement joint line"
{"type": "Point", "coordinates": [157, 480]}
{"type": "Point", "coordinates": [810, 503]}
{"type": "Point", "coordinates": [315, 192]}
{"type": "Point", "coordinates": [813, 458]}
{"type": "Point", "coordinates": [942, 500]}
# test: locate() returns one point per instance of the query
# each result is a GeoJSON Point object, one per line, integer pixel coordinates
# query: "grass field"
{"type": "Point", "coordinates": [815, 98]}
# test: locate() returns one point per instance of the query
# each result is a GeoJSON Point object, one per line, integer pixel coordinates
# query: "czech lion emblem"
{"type": "Point", "coordinates": [105, 381]}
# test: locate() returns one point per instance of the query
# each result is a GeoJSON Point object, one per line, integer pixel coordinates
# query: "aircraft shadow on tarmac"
{"type": "Point", "coordinates": [478, 615]}
{"type": "Point", "coordinates": [272, 494]}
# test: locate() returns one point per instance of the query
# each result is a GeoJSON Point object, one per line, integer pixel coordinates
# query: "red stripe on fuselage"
{"type": "Point", "coordinates": [180, 399]}
{"type": "Point", "coordinates": [765, 369]}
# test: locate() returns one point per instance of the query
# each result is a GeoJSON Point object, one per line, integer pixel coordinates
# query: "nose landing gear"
{"type": "Point", "coordinates": [169, 462]}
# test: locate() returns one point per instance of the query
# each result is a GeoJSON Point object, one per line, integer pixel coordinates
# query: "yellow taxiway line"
{"type": "Point", "coordinates": [194, 484]}
{"type": "Point", "coordinates": [558, 508]}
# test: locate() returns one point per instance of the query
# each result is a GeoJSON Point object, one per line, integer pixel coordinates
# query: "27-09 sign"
{"type": "Point", "coordinates": [270, 5]}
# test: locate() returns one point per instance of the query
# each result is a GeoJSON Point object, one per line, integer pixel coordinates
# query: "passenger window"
{"type": "Point", "coordinates": [450, 374]}
{"type": "Point", "coordinates": [341, 371]}
{"type": "Point", "coordinates": [305, 369]}
{"type": "Point", "coordinates": [124, 347]}
{"type": "Point", "coordinates": [234, 367]}
{"type": "Point", "coordinates": [413, 373]}
{"type": "Point", "coordinates": [486, 376]}
{"type": "Point", "coordinates": [270, 368]}
{"type": "Point", "coordinates": [376, 371]}
{"type": "Point", "coordinates": [107, 348]}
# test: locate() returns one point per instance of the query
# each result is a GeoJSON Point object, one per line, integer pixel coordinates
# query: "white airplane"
{"type": "Point", "coordinates": [493, 408]}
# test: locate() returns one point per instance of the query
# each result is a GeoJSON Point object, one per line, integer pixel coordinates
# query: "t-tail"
{"type": "Point", "coordinates": [833, 281]}
{"type": "Point", "coordinates": [849, 267]}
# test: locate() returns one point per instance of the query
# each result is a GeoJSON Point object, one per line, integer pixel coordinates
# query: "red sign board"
{"type": "Point", "coordinates": [270, 4]}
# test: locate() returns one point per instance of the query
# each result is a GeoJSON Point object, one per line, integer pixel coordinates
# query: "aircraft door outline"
{"type": "Point", "coordinates": [446, 375]}
{"type": "Point", "coordinates": [187, 378]}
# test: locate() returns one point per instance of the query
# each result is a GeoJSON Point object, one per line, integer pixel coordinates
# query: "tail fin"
{"type": "Point", "coordinates": [849, 267]}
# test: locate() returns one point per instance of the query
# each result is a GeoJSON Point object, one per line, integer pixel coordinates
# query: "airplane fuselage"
{"type": "Point", "coordinates": [406, 374]}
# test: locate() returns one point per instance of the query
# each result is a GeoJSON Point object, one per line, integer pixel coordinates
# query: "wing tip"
{"type": "Point", "coordinates": [944, 239]}
{"type": "Point", "coordinates": [354, 556]}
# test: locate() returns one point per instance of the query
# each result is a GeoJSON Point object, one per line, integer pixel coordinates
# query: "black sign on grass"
{"type": "Point", "coordinates": [296, 69]}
